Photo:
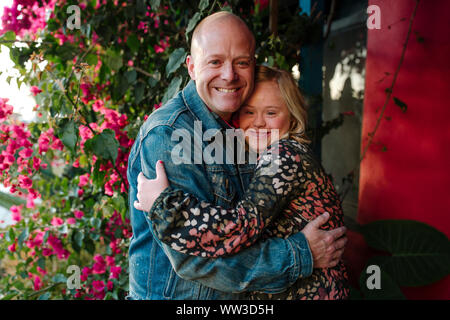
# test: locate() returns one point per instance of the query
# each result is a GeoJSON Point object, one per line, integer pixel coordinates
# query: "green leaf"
{"type": "Point", "coordinates": [133, 42]}
{"type": "Point", "coordinates": [193, 22]}
{"type": "Point", "coordinates": [131, 76]}
{"type": "Point", "coordinates": [154, 4]}
{"type": "Point", "coordinates": [173, 88]}
{"type": "Point", "coordinates": [113, 59]}
{"type": "Point", "coordinates": [401, 104]}
{"type": "Point", "coordinates": [8, 36]}
{"type": "Point", "coordinates": [203, 5]}
{"type": "Point", "coordinates": [96, 222]}
{"type": "Point", "coordinates": [59, 278]}
{"type": "Point", "coordinates": [23, 235]}
{"type": "Point", "coordinates": [175, 60]}
{"type": "Point", "coordinates": [45, 296]}
{"type": "Point", "coordinates": [420, 254]}
{"type": "Point", "coordinates": [69, 134]}
{"type": "Point", "coordinates": [139, 92]}
{"type": "Point", "coordinates": [388, 290]}
{"type": "Point", "coordinates": [104, 145]}
{"type": "Point", "coordinates": [77, 240]}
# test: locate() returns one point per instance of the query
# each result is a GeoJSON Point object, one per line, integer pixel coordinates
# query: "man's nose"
{"type": "Point", "coordinates": [228, 72]}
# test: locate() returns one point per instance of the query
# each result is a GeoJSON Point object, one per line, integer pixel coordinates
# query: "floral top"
{"type": "Point", "coordinates": [289, 189]}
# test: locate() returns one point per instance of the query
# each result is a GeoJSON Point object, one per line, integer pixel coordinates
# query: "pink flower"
{"type": "Point", "coordinates": [71, 221]}
{"type": "Point", "coordinates": [99, 266]}
{"type": "Point", "coordinates": [84, 179]}
{"type": "Point", "coordinates": [12, 247]}
{"type": "Point", "coordinates": [98, 285]}
{"type": "Point", "coordinates": [26, 153]}
{"type": "Point", "coordinates": [78, 214]}
{"type": "Point", "coordinates": [25, 182]}
{"type": "Point", "coordinates": [115, 271]}
{"type": "Point", "coordinates": [16, 212]}
{"type": "Point", "coordinates": [109, 285]}
{"type": "Point", "coordinates": [5, 109]}
{"type": "Point", "coordinates": [37, 283]}
{"type": "Point", "coordinates": [56, 221]}
{"type": "Point", "coordinates": [35, 90]}
{"type": "Point", "coordinates": [46, 252]}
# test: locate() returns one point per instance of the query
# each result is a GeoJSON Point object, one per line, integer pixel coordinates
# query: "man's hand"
{"type": "Point", "coordinates": [326, 247]}
{"type": "Point", "coordinates": [149, 190]}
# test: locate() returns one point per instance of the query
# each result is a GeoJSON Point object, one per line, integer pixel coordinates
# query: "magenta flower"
{"type": "Point", "coordinates": [115, 271]}
{"type": "Point", "coordinates": [35, 90]}
{"type": "Point", "coordinates": [98, 285]}
{"type": "Point", "coordinates": [56, 221]}
{"type": "Point", "coordinates": [16, 212]}
{"type": "Point", "coordinates": [78, 214]}
{"type": "Point", "coordinates": [25, 182]}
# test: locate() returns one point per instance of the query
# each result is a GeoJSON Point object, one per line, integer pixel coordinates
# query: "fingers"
{"type": "Point", "coordinates": [340, 243]}
{"type": "Point", "coordinates": [338, 232]}
{"type": "Point", "coordinates": [141, 178]}
{"type": "Point", "coordinates": [138, 206]}
{"type": "Point", "coordinates": [160, 171]}
{"type": "Point", "coordinates": [320, 220]}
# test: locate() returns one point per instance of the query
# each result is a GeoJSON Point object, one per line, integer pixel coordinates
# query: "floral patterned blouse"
{"type": "Point", "coordinates": [289, 189]}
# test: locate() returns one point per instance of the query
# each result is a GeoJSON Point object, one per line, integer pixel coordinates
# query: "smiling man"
{"type": "Point", "coordinates": [221, 66]}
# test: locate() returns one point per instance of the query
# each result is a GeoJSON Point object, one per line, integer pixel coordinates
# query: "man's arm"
{"type": "Point", "coordinates": [269, 266]}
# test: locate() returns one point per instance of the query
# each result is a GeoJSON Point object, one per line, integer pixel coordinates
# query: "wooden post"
{"type": "Point", "coordinates": [273, 19]}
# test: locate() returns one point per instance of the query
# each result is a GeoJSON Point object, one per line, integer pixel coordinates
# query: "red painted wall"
{"type": "Point", "coordinates": [411, 178]}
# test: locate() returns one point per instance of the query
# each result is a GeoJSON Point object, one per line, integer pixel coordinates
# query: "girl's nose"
{"type": "Point", "coordinates": [259, 121]}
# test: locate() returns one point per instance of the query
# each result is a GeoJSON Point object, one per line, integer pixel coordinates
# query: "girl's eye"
{"type": "Point", "coordinates": [271, 113]}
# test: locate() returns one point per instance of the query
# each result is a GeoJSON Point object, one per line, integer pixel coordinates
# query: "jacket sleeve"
{"type": "Point", "coordinates": [269, 266]}
{"type": "Point", "coordinates": [200, 228]}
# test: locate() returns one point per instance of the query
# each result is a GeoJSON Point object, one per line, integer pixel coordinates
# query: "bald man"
{"type": "Point", "coordinates": [221, 66]}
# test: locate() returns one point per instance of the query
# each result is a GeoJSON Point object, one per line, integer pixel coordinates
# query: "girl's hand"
{"type": "Point", "coordinates": [149, 190]}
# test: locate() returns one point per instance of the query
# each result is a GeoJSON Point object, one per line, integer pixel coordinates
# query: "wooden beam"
{"type": "Point", "coordinates": [273, 19]}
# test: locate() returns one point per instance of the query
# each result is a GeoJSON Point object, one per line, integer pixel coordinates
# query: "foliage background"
{"type": "Point", "coordinates": [94, 87]}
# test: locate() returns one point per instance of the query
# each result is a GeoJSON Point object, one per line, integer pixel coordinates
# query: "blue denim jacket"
{"type": "Point", "coordinates": [158, 272]}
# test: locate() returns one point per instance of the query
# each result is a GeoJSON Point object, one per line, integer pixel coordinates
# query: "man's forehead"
{"type": "Point", "coordinates": [212, 31]}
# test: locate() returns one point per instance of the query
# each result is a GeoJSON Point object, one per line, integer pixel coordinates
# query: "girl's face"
{"type": "Point", "coordinates": [264, 116]}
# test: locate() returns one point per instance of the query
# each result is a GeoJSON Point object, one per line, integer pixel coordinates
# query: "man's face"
{"type": "Point", "coordinates": [222, 65]}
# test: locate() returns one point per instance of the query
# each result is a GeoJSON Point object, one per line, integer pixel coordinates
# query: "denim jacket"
{"type": "Point", "coordinates": [158, 272]}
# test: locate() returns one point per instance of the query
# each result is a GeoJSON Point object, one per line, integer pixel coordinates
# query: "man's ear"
{"type": "Point", "coordinates": [190, 66]}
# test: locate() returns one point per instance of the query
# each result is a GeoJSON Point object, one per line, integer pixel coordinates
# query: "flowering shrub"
{"type": "Point", "coordinates": [94, 86]}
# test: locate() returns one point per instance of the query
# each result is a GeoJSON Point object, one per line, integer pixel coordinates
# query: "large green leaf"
{"type": "Point", "coordinates": [420, 254]}
{"type": "Point", "coordinates": [68, 134]}
{"type": "Point", "coordinates": [173, 88]}
{"type": "Point", "coordinates": [7, 200]}
{"type": "Point", "coordinates": [104, 145]}
{"type": "Point", "coordinates": [193, 22]}
{"type": "Point", "coordinates": [113, 59]}
{"type": "Point", "coordinates": [175, 60]}
{"type": "Point", "coordinates": [133, 42]}
{"type": "Point", "coordinates": [388, 290]}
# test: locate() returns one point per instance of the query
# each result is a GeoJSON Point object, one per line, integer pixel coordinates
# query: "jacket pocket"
{"type": "Point", "coordinates": [222, 186]}
{"type": "Point", "coordinates": [170, 285]}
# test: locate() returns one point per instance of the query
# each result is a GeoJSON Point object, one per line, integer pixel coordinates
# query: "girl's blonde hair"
{"type": "Point", "coordinates": [292, 97]}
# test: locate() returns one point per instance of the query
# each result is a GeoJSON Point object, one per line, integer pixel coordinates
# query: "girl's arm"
{"type": "Point", "coordinates": [199, 228]}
